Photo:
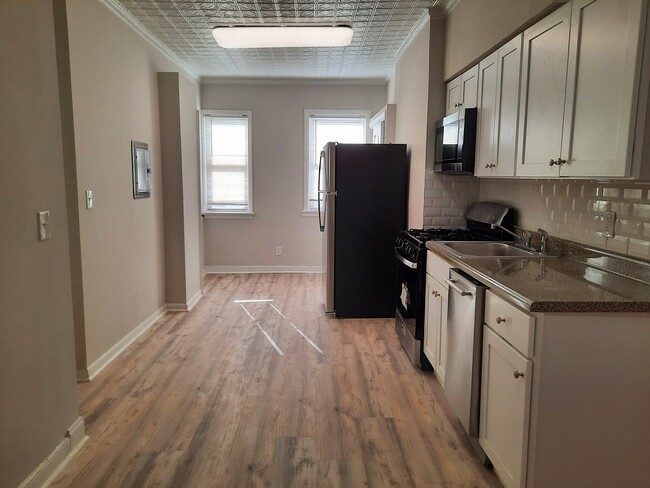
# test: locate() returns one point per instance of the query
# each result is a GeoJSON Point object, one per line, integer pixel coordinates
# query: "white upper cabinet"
{"type": "Point", "coordinates": [543, 90]}
{"type": "Point", "coordinates": [498, 109]}
{"type": "Point", "coordinates": [601, 85]}
{"type": "Point", "coordinates": [462, 91]}
{"type": "Point", "coordinates": [487, 108]}
{"type": "Point", "coordinates": [579, 88]}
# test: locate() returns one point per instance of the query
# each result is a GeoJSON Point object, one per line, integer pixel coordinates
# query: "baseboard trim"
{"type": "Point", "coordinates": [262, 269]}
{"type": "Point", "coordinates": [52, 465]}
{"type": "Point", "coordinates": [100, 363]}
{"type": "Point", "coordinates": [194, 300]}
{"type": "Point", "coordinates": [185, 307]}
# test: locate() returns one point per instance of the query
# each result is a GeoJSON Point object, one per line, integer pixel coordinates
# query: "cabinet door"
{"type": "Point", "coordinates": [431, 321]}
{"type": "Point", "coordinates": [441, 364]}
{"type": "Point", "coordinates": [505, 408]}
{"type": "Point", "coordinates": [469, 88]}
{"type": "Point", "coordinates": [543, 90]}
{"type": "Point", "coordinates": [454, 96]}
{"type": "Point", "coordinates": [507, 107]}
{"type": "Point", "coordinates": [435, 326]}
{"type": "Point", "coordinates": [601, 86]}
{"type": "Point", "coordinates": [487, 106]}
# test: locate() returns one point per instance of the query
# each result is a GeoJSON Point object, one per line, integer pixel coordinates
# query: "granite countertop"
{"type": "Point", "coordinates": [587, 281]}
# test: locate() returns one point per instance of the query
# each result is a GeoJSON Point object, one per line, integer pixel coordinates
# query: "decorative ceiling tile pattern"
{"type": "Point", "coordinates": [185, 27]}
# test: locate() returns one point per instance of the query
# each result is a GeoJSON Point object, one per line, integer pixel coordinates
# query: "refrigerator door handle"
{"type": "Point", "coordinates": [321, 216]}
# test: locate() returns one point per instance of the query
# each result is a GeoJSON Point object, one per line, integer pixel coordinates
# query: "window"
{"type": "Point", "coordinates": [322, 127]}
{"type": "Point", "coordinates": [226, 169]}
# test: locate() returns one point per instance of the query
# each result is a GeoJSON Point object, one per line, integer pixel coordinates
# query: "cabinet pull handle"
{"type": "Point", "coordinates": [517, 374]}
{"type": "Point", "coordinates": [492, 165]}
{"type": "Point", "coordinates": [561, 161]}
{"type": "Point", "coordinates": [487, 166]}
{"type": "Point", "coordinates": [460, 104]}
{"type": "Point", "coordinates": [552, 162]}
{"type": "Point", "coordinates": [455, 104]}
{"type": "Point", "coordinates": [499, 320]}
{"type": "Point", "coordinates": [435, 293]}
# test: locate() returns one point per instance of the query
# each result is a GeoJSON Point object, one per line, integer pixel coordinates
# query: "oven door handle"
{"type": "Point", "coordinates": [405, 261]}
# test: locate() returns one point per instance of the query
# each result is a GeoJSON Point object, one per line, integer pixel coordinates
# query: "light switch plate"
{"type": "Point", "coordinates": [89, 199]}
{"type": "Point", "coordinates": [609, 221]}
{"type": "Point", "coordinates": [278, 251]}
{"type": "Point", "coordinates": [44, 232]}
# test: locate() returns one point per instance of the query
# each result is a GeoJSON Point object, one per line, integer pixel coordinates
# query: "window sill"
{"type": "Point", "coordinates": [309, 213]}
{"type": "Point", "coordinates": [228, 215]}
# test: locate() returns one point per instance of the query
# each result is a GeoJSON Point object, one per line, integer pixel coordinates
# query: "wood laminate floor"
{"type": "Point", "coordinates": [268, 394]}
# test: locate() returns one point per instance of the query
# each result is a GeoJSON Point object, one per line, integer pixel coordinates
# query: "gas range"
{"type": "Point", "coordinates": [411, 255]}
{"type": "Point", "coordinates": [412, 243]}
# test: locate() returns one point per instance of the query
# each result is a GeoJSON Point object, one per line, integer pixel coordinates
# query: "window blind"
{"type": "Point", "coordinates": [226, 163]}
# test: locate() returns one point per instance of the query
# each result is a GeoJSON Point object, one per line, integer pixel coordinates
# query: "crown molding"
{"type": "Point", "coordinates": [129, 19]}
{"type": "Point", "coordinates": [450, 5]}
{"type": "Point", "coordinates": [415, 30]}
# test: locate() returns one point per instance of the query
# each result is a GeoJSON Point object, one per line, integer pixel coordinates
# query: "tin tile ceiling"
{"type": "Point", "coordinates": [184, 28]}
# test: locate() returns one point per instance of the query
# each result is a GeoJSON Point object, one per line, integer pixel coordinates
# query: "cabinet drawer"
{"type": "Point", "coordinates": [437, 267]}
{"type": "Point", "coordinates": [511, 323]}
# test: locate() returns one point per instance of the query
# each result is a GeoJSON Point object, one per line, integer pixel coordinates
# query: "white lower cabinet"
{"type": "Point", "coordinates": [435, 314]}
{"type": "Point", "coordinates": [435, 327]}
{"type": "Point", "coordinates": [505, 408]}
{"type": "Point", "coordinates": [565, 397]}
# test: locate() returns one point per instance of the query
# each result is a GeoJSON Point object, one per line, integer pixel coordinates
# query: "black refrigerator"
{"type": "Point", "coordinates": [362, 205]}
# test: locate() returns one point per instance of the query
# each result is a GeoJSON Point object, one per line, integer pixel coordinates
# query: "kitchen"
{"type": "Point", "coordinates": [564, 208]}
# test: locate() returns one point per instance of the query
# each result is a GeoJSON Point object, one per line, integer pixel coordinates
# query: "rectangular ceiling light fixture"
{"type": "Point", "coordinates": [243, 37]}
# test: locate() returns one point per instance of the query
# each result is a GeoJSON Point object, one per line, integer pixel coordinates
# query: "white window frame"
{"type": "Point", "coordinates": [309, 113]}
{"type": "Point", "coordinates": [227, 213]}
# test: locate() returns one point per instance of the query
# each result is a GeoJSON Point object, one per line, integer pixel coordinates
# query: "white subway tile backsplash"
{"type": "Point", "coordinates": [573, 209]}
{"type": "Point", "coordinates": [639, 248]}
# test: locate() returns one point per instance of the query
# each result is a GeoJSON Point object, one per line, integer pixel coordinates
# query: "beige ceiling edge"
{"type": "Point", "coordinates": [128, 18]}
{"type": "Point", "coordinates": [292, 81]}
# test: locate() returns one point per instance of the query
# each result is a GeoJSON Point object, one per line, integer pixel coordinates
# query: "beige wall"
{"type": "Point", "coordinates": [278, 171]}
{"type": "Point", "coordinates": [476, 27]}
{"type": "Point", "coordinates": [115, 100]}
{"type": "Point", "coordinates": [38, 399]}
{"type": "Point", "coordinates": [411, 97]}
{"type": "Point", "coordinates": [177, 100]}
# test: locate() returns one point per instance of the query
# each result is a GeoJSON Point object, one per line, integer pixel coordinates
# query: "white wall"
{"type": "Point", "coordinates": [115, 100]}
{"type": "Point", "coordinates": [278, 171]}
{"type": "Point", "coordinates": [38, 399]}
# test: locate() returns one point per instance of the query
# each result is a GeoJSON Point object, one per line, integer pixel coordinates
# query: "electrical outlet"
{"type": "Point", "coordinates": [89, 199]}
{"type": "Point", "coordinates": [609, 221]}
{"type": "Point", "coordinates": [278, 251]}
{"type": "Point", "coordinates": [44, 232]}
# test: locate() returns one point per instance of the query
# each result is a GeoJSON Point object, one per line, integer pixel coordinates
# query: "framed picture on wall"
{"type": "Point", "coordinates": [141, 162]}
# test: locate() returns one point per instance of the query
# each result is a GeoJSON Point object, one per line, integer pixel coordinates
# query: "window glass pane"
{"type": "Point", "coordinates": [226, 163]}
{"type": "Point", "coordinates": [322, 130]}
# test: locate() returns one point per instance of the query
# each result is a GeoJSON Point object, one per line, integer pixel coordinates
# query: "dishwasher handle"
{"type": "Point", "coordinates": [452, 284]}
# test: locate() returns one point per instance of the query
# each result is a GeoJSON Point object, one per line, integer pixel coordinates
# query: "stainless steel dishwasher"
{"type": "Point", "coordinates": [464, 346]}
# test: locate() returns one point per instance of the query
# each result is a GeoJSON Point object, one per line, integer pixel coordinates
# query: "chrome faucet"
{"type": "Point", "coordinates": [542, 245]}
{"type": "Point", "coordinates": [525, 235]}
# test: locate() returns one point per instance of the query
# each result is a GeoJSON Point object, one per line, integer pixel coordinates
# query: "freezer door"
{"type": "Point", "coordinates": [327, 179]}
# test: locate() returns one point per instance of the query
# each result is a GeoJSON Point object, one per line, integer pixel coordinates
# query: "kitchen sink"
{"type": "Point", "coordinates": [486, 249]}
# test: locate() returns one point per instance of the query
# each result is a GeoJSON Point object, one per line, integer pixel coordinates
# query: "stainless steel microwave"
{"type": "Point", "coordinates": [456, 143]}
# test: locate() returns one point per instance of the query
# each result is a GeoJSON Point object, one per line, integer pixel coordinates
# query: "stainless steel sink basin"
{"type": "Point", "coordinates": [486, 249]}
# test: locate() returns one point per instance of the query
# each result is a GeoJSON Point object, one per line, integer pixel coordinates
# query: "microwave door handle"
{"type": "Point", "coordinates": [321, 217]}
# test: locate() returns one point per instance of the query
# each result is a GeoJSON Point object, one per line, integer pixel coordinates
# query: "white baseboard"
{"type": "Point", "coordinates": [52, 465]}
{"type": "Point", "coordinates": [103, 361]}
{"type": "Point", "coordinates": [185, 307]}
{"type": "Point", "coordinates": [262, 269]}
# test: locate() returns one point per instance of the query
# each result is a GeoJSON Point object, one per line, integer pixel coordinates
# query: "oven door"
{"type": "Point", "coordinates": [408, 291]}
